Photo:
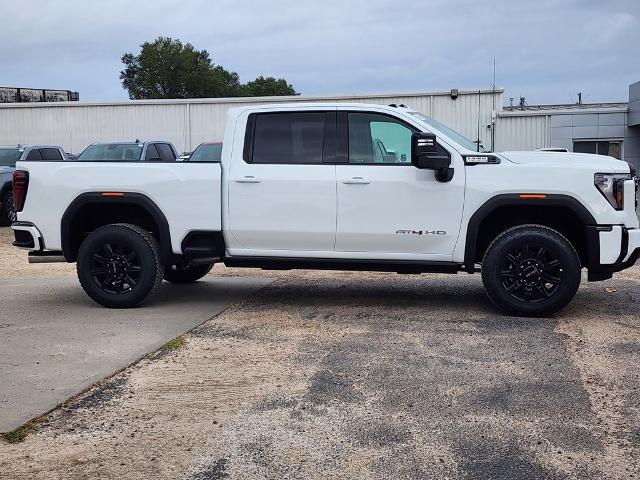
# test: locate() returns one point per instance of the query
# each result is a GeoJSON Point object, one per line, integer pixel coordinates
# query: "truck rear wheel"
{"type": "Point", "coordinates": [119, 265]}
{"type": "Point", "coordinates": [531, 271]}
{"type": "Point", "coordinates": [186, 273]}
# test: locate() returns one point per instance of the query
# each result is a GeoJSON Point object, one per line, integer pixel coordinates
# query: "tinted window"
{"type": "Point", "coordinates": [288, 138]}
{"type": "Point", "coordinates": [34, 155]}
{"type": "Point", "coordinates": [51, 154]}
{"type": "Point", "coordinates": [9, 156]}
{"type": "Point", "coordinates": [207, 152]}
{"type": "Point", "coordinates": [117, 152]}
{"type": "Point", "coordinates": [166, 153]}
{"type": "Point", "coordinates": [378, 139]}
{"type": "Point", "coordinates": [152, 153]}
{"type": "Point", "coordinates": [610, 148]}
{"type": "Point", "coordinates": [585, 147]}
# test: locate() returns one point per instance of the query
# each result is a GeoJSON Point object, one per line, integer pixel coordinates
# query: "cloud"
{"type": "Point", "coordinates": [546, 51]}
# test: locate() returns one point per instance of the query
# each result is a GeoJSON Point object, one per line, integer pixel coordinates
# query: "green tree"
{"type": "Point", "coordinates": [269, 86]}
{"type": "Point", "coordinates": [167, 68]}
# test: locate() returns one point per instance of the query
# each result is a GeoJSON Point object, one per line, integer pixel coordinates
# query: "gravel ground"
{"type": "Point", "coordinates": [364, 375]}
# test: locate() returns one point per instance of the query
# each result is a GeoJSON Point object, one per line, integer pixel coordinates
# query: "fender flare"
{"type": "Point", "coordinates": [128, 198]}
{"type": "Point", "coordinates": [515, 200]}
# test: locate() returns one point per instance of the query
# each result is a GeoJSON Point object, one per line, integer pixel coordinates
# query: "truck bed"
{"type": "Point", "coordinates": [188, 194]}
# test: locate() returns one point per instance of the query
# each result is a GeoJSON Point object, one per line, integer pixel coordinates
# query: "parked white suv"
{"type": "Point", "coordinates": [337, 186]}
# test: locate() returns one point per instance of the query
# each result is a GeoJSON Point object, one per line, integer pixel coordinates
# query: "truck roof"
{"type": "Point", "coordinates": [319, 106]}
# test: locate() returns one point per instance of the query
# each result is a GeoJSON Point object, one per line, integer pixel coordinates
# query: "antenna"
{"type": "Point", "coordinates": [478, 143]}
{"type": "Point", "coordinates": [493, 111]}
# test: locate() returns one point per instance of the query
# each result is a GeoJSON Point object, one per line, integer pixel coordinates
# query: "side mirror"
{"type": "Point", "coordinates": [425, 155]}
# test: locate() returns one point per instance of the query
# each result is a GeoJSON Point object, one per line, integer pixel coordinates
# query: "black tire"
{"type": "Point", "coordinates": [531, 271]}
{"type": "Point", "coordinates": [186, 274]}
{"type": "Point", "coordinates": [119, 265]}
{"type": "Point", "coordinates": [8, 210]}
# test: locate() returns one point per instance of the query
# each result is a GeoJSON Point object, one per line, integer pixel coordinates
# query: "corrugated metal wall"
{"type": "Point", "coordinates": [187, 123]}
{"type": "Point", "coordinates": [522, 132]}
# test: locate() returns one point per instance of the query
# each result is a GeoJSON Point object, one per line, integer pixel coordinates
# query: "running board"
{"type": "Point", "coordinates": [46, 257]}
{"type": "Point", "coordinates": [398, 266]}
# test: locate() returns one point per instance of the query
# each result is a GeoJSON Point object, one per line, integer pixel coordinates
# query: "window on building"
{"type": "Point", "coordinates": [612, 148]}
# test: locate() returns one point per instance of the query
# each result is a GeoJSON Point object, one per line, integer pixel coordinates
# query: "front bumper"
{"type": "Point", "coordinates": [611, 249]}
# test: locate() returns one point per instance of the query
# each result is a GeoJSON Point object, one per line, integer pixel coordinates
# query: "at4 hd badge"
{"type": "Point", "coordinates": [420, 232]}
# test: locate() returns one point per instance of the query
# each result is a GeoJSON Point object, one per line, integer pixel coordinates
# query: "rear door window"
{"type": "Point", "coordinates": [289, 138]}
{"type": "Point", "coordinates": [51, 154]}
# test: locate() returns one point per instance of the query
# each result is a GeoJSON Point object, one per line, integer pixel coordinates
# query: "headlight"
{"type": "Point", "coordinates": [611, 186]}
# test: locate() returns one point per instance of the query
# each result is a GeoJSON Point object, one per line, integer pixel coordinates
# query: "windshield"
{"type": "Point", "coordinates": [9, 156]}
{"type": "Point", "coordinates": [452, 134]}
{"type": "Point", "coordinates": [117, 152]}
{"type": "Point", "coordinates": [207, 152]}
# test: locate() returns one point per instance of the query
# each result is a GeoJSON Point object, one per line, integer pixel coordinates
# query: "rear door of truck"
{"type": "Point", "coordinates": [282, 194]}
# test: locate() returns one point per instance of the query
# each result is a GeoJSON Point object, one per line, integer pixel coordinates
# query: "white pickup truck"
{"type": "Point", "coordinates": [336, 186]}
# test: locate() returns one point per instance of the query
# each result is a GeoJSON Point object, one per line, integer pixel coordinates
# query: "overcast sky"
{"type": "Point", "coordinates": [545, 50]}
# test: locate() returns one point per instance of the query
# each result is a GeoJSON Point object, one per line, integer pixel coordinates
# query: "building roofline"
{"type": "Point", "coordinates": [564, 109]}
{"type": "Point", "coordinates": [249, 100]}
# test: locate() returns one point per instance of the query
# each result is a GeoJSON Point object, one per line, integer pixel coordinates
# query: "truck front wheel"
{"type": "Point", "coordinates": [186, 273]}
{"type": "Point", "coordinates": [119, 265]}
{"type": "Point", "coordinates": [531, 271]}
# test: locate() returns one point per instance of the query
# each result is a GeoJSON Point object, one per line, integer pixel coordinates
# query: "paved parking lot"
{"type": "Point", "coordinates": [360, 375]}
{"type": "Point", "coordinates": [57, 342]}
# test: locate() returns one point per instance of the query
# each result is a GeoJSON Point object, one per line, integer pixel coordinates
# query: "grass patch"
{"type": "Point", "coordinates": [18, 435]}
{"type": "Point", "coordinates": [173, 345]}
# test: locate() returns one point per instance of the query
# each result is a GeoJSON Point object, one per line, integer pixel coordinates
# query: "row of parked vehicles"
{"type": "Point", "coordinates": [152, 151]}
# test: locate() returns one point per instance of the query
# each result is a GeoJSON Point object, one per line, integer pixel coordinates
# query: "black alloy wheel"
{"type": "Point", "coordinates": [119, 265]}
{"type": "Point", "coordinates": [115, 267]}
{"type": "Point", "coordinates": [531, 271]}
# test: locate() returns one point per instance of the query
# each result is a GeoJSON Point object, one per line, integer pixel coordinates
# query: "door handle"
{"type": "Point", "coordinates": [357, 181]}
{"type": "Point", "coordinates": [247, 179]}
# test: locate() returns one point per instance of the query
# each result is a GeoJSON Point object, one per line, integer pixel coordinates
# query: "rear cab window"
{"type": "Point", "coordinates": [34, 155]}
{"type": "Point", "coordinates": [51, 154]}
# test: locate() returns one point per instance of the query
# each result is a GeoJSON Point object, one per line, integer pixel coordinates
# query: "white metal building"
{"type": "Point", "coordinates": [187, 123]}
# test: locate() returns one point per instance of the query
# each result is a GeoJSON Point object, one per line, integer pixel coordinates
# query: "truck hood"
{"type": "Point", "coordinates": [596, 162]}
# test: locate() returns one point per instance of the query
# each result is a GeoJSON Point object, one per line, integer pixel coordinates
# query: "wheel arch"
{"type": "Point", "coordinates": [561, 212]}
{"type": "Point", "coordinates": [92, 210]}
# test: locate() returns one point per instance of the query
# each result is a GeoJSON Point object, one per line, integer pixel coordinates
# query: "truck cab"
{"type": "Point", "coordinates": [341, 186]}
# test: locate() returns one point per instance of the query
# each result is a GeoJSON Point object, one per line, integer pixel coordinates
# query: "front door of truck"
{"type": "Point", "coordinates": [387, 208]}
{"type": "Point", "coordinates": [282, 196]}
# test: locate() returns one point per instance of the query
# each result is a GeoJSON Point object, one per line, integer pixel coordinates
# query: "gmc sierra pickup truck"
{"type": "Point", "coordinates": [336, 186]}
